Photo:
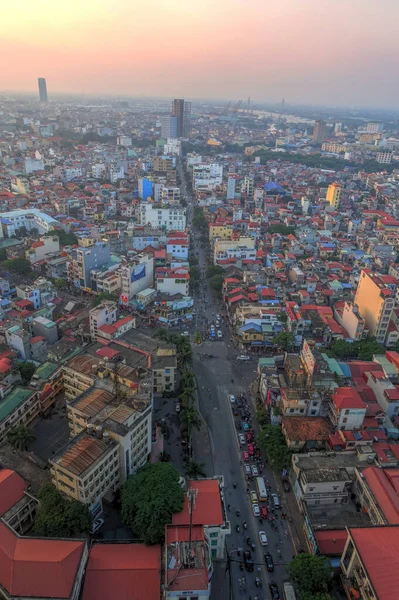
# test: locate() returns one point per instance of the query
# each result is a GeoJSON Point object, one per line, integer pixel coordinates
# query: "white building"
{"type": "Point", "coordinates": [384, 158]}
{"type": "Point", "coordinates": [116, 173]}
{"type": "Point", "coordinates": [39, 250]}
{"type": "Point", "coordinates": [99, 171]}
{"type": "Point", "coordinates": [124, 140]}
{"type": "Point", "coordinates": [207, 176]}
{"type": "Point", "coordinates": [171, 219]}
{"type": "Point", "coordinates": [137, 275]}
{"type": "Point", "coordinates": [231, 188]}
{"type": "Point", "coordinates": [104, 313]}
{"type": "Point", "coordinates": [172, 281]}
{"type": "Point", "coordinates": [31, 219]}
{"type": "Point", "coordinates": [172, 146]}
{"type": "Point", "coordinates": [170, 195]}
{"type": "Point", "coordinates": [375, 127]}
{"type": "Point", "coordinates": [32, 164]}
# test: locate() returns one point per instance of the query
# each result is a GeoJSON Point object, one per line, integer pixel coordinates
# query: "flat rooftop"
{"type": "Point", "coordinates": [327, 460]}
{"type": "Point", "coordinates": [324, 475]}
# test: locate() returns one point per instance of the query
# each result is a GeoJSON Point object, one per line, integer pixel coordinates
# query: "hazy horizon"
{"type": "Point", "coordinates": [339, 53]}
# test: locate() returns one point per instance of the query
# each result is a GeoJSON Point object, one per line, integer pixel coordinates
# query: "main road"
{"type": "Point", "coordinates": [215, 378]}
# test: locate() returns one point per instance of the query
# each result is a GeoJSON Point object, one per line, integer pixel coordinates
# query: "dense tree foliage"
{"type": "Point", "coordinates": [59, 517]}
{"type": "Point", "coordinates": [363, 350]}
{"type": "Point", "coordinates": [101, 297]}
{"type": "Point", "coordinates": [20, 437]}
{"type": "Point", "coordinates": [282, 229]}
{"type": "Point", "coordinates": [272, 440]}
{"type": "Point", "coordinates": [17, 265]}
{"type": "Point", "coordinates": [284, 340]}
{"type": "Point", "coordinates": [66, 239]}
{"type": "Point", "coordinates": [310, 574]}
{"type": "Point", "coordinates": [149, 498]}
{"type": "Point", "coordinates": [26, 370]}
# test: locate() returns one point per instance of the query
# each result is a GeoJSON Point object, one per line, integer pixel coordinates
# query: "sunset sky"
{"type": "Point", "coordinates": [311, 51]}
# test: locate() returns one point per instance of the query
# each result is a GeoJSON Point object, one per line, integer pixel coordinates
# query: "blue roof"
{"type": "Point", "coordinates": [270, 186]}
{"type": "Point", "coordinates": [249, 326]}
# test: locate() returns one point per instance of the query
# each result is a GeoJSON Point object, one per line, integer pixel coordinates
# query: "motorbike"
{"type": "Point", "coordinates": [237, 528]}
{"type": "Point", "coordinates": [234, 485]}
{"type": "Point", "coordinates": [241, 567]}
{"type": "Point", "coordinates": [249, 541]}
{"type": "Point", "coordinates": [253, 546]}
{"type": "Point", "coordinates": [238, 513]}
{"type": "Point", "coordinates": [258, 582]}
{"type": "Point", "coordinates": [245, 525]}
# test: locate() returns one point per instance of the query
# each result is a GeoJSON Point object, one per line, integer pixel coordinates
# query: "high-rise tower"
{"type": "Point", "coordinates": [42, 89]}
{"type": "Point", "coordinates": [182, 110]}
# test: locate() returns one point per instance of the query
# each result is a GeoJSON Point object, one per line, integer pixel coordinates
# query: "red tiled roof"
{"type": "Point", "coordinates": [331, 541]}
{"type": "Point", "coordinates": [346, 397]}
{"type": "Point", "coordinates": [37, 338]}
{"type": "Point", "coordinates": [379, 551]}
{"type": "Point", "coordinates": [384, 492]}
{"type": "Point", "coordinates": [38, 568]}
{"type": "Point", "coordinates": [12, 488]}
{"type": "Point", "coordinates": [107, 353]}
{"type": "Point", "coordinates": [123, 571]}
{"type": "Point", "coordinates": [208, 506]}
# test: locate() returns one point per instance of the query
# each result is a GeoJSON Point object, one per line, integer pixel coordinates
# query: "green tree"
{"type": "Point", "coordinates": [26, 370]}
{"type": "Point", "coordinates": [20, 437]}
{"type": "Point", "coordinates": [195, 273]}
{"type": "Point", "coordinates": [284, 340]}
{"type": "Point", "coordinates": [213, 270]}
{"type": "Point", "coordinates": [66, 239]}
{"type": "Point", "coordinates": [282, 317]}
{"type": "Point", "coordinates": [272, 440]}
{"type": "Point", "coordinates": [17, 265]}
{"type": "Point", "coordinates": [3, 254]}
{"type": "Point", "coordinates": [149, 498]}
{"type": "Point", "coordinates": [314, 596]}
{"type": "Point", "coordinates": [262, 417]}
{"type": "Point", "coordinates": [59, 517]}
{"type": "Point", "coordinates": [101, 297]}
{"type": "Point", "coordinates": [195, 470]}
{"type": "Point", "coordinates": [60, 283]}
{"type": "Point", "coordinates": [310, 573]}
{"type": "Point", "coordinates": [282, 229]}
{"type": "Point", "coordinates": [164, 456]}
{"type": "Point", "coordinates": [216, 283]}
{"type": "Point", "coordinates": [197, 337]}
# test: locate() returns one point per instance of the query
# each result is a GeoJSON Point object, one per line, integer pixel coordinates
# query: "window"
{"type": "Point", "coordinates": [344, 420]}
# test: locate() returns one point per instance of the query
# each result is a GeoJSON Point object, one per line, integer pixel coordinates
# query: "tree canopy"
{"type": "Point", "coordinates": [284, 340]}
{"type": "Point", "coordinates": [26, 370]}
{"type": "Point", "coordinates": [59, 517]}
{"type": "Point", "coordinates": [282, 229]}
{"type": "Point", "coordinates": [362, 350]}
{"type": "Point", "coordinates": [17, 265]}
{"type": "Point", "coordinates": [272, 440]}
{"type": "Point", "coordinates": [101, 297]}
{"type": "Point", "coordinates": [20, 437]}
{"type": "Point", "coordinates": [310, 573]}
{"type": "Point", "coordinates": [66, 239]}
{"type": "Point", "coordinates": [149, 498]}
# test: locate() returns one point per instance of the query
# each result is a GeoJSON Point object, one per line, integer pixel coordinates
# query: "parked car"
{"type": "Point", "coordinates": [241, 439]}
{"type": "Point", "coordinates": [263, 512]}
{"type": "Point", "coordinates": [220, 334]}
{"type": "Point", "coordinates": [245, 426]}
{"type": "Point", "coordinates": [255, 471]}
{"type": "Point", "coordinates": [251, 450]}
{"type": "Point", "coordinates": [256, 510]}
{"type": "Point", "coordinates": [245, 456]}
{"type": "Point", "coordinates": [243, 357]}
{"type": "Point", "coordinates": [286, 485]}
{"type": "Point", "coordinates": [263, 538]}
{"type": "Point", "coordinates": [276, 501]}
{"type": "Point", "coordinates": [218, 317]}
{"type": "Point", "coordinates": [247, 470]}
{"type": "Point", "coordinates": [232, 398]}
{"type": "Point", "coordinates": [254, 497]}
{"type": "Point", "coordinates": [269, 562]}
{"type": "Point", "coordinates": [249, 436]}
{"type": "Point", "coordinates": [95, 526]}
{"type": "Point", "coordinates": [274, 590]}
{"type": "Point", "coordinates": [249, 563]}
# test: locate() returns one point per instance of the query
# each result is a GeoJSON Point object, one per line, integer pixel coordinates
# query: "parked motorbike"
{"type": "Point", "coordinates": [245, 525]}
{"type": "Point", "coordinates": [237, 528]}
{"type": "Point", "coordinates": [241, 567]}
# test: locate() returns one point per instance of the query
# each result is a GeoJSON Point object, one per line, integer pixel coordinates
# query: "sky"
{"type": "Point", "coordinates": [334, 52]}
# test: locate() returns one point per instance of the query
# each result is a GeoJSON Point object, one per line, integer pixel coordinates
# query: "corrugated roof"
{"type": "Point", "coordinates": [93, 401]}
{"type": "Point", "coordinates": [12, 488]}
{"type": "Point", "coordinates": [208, 506]}
{"type": "Point", "coordinates": [82, 454]}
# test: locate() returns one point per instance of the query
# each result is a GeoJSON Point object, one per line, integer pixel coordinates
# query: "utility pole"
{"type": "Point", "coordinates": [192, 494]}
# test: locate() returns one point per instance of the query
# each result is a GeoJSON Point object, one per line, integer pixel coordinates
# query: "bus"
{"type": "Point", "coordinates": [288, 591]}
{"type": "Point", "coordinates": [261, 489]}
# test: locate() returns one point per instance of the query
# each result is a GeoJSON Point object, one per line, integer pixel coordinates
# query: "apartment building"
{"type": "Point", "coordinates": [88, 469]}
{"type": "Point", "coordinates": [159, 217]}
{"type": "Point", "coordinates": [39, 250]}
{"type": "Point", "coordinates": [170, 195]}
{"type": "Point", "coordinates": [375, 297]}
{"type": "Point", "coordinates": [136, 275]}
{"type": "Point", "coordinates": [243, 248]}
{"type": "Point", "coordinates": [347, 315]}
{"type": "Point", "coordinates": [369, 563]}
{"type": "Point", "coordinates": [333, 196]}
{"type": "Point", "coordinates": [104, 313]}
{"type": "Point", "coordinates": [90, 256]}
{"type": "Point", "coordinates": [19, 407]}
{"type": "Point", "coordinates": [80, 373]}
{"type": "Point", "coordinates": [377, 492]}
{"type": "Point", "coordinates": [346, 410]}
{"type": "Point", "coordinates": [30, 219]}
{"type": "Point", "coordinates": [172, 281]}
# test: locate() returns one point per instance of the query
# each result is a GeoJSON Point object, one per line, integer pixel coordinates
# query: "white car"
{"type": "Point", "coordinates": [241, 439]}
{"type": "Point", "coordinates": [95, 526]}
{"type": "Point", "coordinates": [232, 398]}
{"type": "Point", "coordinates": [256, 510]}
{"type": "Point", "coordinates": [218, 317]}
{"type": "Point", "coordinates": [263, 538]}
{"type": "Point", "coordinates": [243, 357]}
{"type": "Point", "coordinates": [220, 334]}
{"type": "Point", "coordinates": [177, 407]}
{"type": "Point", "coordinates": [255, 471]}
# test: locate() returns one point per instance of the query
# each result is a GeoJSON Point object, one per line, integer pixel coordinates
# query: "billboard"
{"type": "Point", "coordinates": [138, 273]}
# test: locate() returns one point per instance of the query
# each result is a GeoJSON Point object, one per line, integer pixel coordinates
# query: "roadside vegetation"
{"type": "Point", "coordinates": [59, 517]}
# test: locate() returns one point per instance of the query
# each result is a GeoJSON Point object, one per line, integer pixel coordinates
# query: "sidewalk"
{"type": "Point", "coordinates": [202, 444]}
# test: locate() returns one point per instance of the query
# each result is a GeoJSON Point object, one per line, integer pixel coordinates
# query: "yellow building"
{"type": "Point", "coordinates": [79, 374]}
{"type": "Point", "coordinates": [220, 231]}
{"type": "Point", "coordinates": [375, 301]}
{"type": "Point", "coordinates": [334, 194]}
{"type": "Point", "coordinates": [87, 469]}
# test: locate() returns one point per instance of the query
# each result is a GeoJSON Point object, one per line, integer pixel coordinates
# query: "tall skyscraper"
{"type": "Point", "coordinates": [169, 126]}
{"type": "Point", "coordinates": [320, 131]}
{"type": "Point", "coordinates": [182, 110]}
{"type": "Point", "coordinates": [42, 89]}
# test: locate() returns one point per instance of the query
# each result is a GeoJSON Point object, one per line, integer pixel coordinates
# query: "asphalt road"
{"type": "Point", "coordinates": [214, 380]}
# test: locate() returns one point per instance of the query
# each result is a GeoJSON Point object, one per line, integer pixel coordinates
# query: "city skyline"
{"type": "Point", "coordinates": [336, 53]}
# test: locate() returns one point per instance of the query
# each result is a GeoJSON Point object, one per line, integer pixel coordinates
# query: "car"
{"type": "Point", "coordinates": [276, 501]}
{"type": "Point", "coordinates": [274, 590]}
{"type": "Point", "coordinates": [220, 334]}
{"type": "Point", "coordinates": [241, 439]}
{"type": "Point", "coordinates": [245, 456]}
{"type": "Point", "coordinates": [254, 497]}
{"type": "Point", "coordinates": [263, 538]}
{"type": "Point", "coordinates": [286, 485]}
{"type": "Point", "coordinates": [185, 334]}
{"type": "Point", "coordinates": [177, 407]}
{"type": "Point", "coordinates": [256, 510]}
{"type": "Point", "coordinates": [248, 561]}
{"type": "Point", "coordinates": [210, 356]}
{"type": "Point", "coordinates": [218, 317]}
{"type": "Point", "coordinates": [243, 357]}
{"type": "Point", "coordinates": [269, 562]}
{"type": "Point", "coordinates": [249, 436]}
{"type": "Point", "coordinates": [95, 526]}
{"type": "Point", "coordinates": [232, 398]}
{"type": "Point", "coordinates": [255, 471]}
{"type": "Point", "coordinates": [217, 324]}
{"type": "Point", "coordinates": [245, 426]}
{"type": "Point", "coordinates": [251, 450]}
{"type": "Point", "coordinates": [263, 512]}
{"type": "Point", "coordinates": [247, 470]}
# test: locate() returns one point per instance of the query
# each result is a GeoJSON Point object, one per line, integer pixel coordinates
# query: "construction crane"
{"type": "Point", "coordinates": [237, 106]}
